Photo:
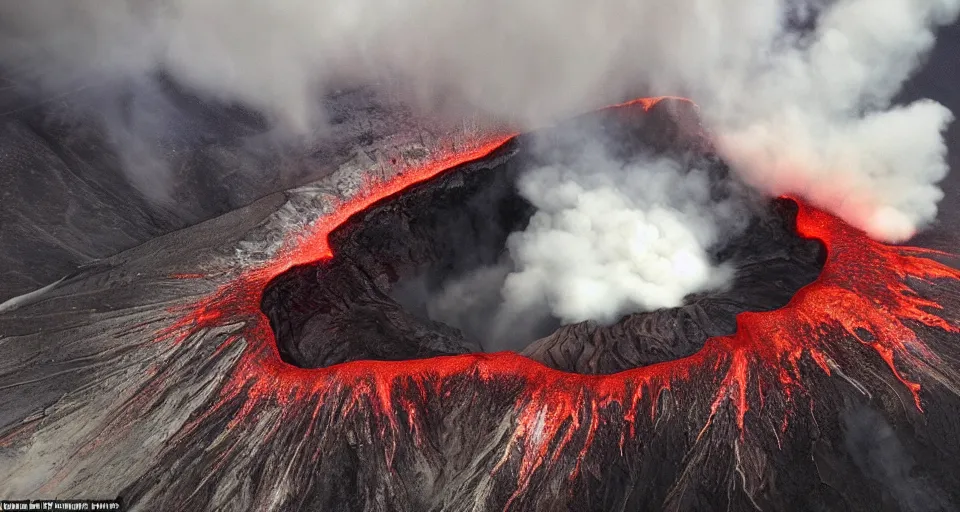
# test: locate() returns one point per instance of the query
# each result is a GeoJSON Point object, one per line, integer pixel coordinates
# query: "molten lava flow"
{"type": "Point", "coordinates": [650, 102]}
{"type": "Point", "coordinates": [863, 297]}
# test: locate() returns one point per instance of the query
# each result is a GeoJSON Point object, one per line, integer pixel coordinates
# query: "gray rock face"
{"type": "Point", "coordinates": [87, 177]}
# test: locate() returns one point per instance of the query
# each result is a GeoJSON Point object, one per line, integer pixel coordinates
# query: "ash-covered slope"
{"type": "Point", "coordinates": [106, 168]}
{"type": "Point", "coordinates": [155, 376]}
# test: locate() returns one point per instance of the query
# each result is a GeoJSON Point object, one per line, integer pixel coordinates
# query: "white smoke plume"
{"type": "Point", "coordinates": [609, 238]}
{"type": "Point", "coordinates": [817, 120]}
{"type": "Point", "coordinates": [804, 114]}
{"type": "Point", "coordinates": [797, 94]}
{"type": "Point", "coordinates": [795, 113]}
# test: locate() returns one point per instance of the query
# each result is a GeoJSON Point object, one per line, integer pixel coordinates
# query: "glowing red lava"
{"type": "Point", "coordinates": [650, 102]}
{"type": "Point", "coordinates": [862, 296]}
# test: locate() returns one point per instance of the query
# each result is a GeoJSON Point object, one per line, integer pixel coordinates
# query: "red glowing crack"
{"type": "Point", "coordinates": [862, 296]}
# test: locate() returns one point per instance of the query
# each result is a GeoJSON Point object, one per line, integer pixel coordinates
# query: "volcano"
{"type": "Point", "coordinates": [269, 359]}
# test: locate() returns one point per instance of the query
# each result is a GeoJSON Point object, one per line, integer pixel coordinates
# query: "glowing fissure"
{"type": "Point", "coordinates": [862, 289]}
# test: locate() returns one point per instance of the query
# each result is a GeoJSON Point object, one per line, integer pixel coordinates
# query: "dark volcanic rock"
{"type": "Point", "coordinates": [346, 309]}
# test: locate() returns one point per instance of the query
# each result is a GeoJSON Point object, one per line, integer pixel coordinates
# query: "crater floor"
{"type": "Point", "coordinates": [371, 299]}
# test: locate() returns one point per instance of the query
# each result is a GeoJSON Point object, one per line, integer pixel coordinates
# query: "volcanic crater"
{"type": "Point", "coordinates": [845, 398]}
{"type": "Point", "coordinates": [370, 301]}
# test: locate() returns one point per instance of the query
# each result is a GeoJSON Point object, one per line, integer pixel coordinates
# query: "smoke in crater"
{"type": "Point", "coordinates": [608, 237]}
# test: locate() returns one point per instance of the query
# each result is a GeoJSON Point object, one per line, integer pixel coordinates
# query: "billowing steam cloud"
{"type": "Point", "coordinates": [528, 61]}
{"type": "Point", "coordinates": [796, 113]}
{"type": "Point", "coordinates": [610, 238]}
{"type": "Point", "coordinates": [816, 119]}
{"type": "Point", "coordinates": [796, 93]}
